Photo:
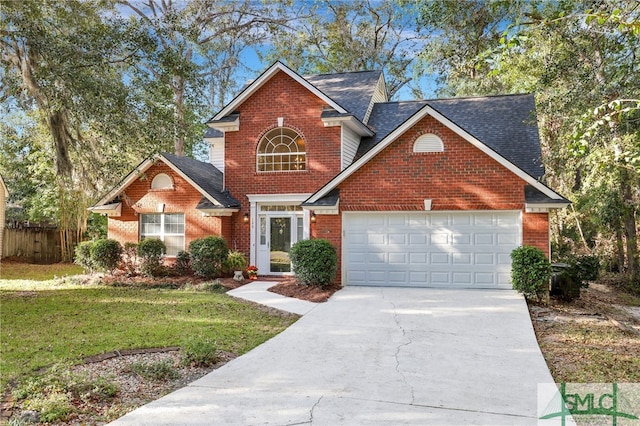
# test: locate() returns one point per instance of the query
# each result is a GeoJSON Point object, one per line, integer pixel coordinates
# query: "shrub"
{"type": "Point", "coordinates": [236, 261]}
{"type": "Point", "coordinates": [530, 272]}
{"type": "Point", "coordinates": [150, 251]}
{"type": "Point", "coordinates": [83, 256]}
{"type": "Point", "coordinates": [569, 278]}
{"type": "Point", "coordinates": [208, 255]}
{"type": "Point", "coordinates": [200, 352]}
{"type": "Point", "coordinates": [183, 260]}
{"type": "Point", "coordinates": [587, 268]}
{"type": "Point", "coordinates": [315, 262]}
{"type": "Point", "coordinates": [105, 254]}
{"type": "Point", "coordinates": [159, 370]}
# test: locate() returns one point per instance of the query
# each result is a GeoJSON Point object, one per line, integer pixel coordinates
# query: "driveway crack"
{"type": "Point", "coordinates": [313, 408]}
{"type": "Point", "coordinates": [407, 342]}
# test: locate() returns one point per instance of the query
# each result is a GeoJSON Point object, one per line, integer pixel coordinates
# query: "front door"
{"type": "Point", "coordinates": [279, 244]}
{"type": "Point", "coordinates": [278, 230]}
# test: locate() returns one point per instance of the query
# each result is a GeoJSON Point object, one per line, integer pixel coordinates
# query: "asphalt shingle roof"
{"type": "Point", "coordinates": [506, 124]}
{"type": "Point", "coordinates": [207, 177]}
{"type": "Point", "coordinates": [351, 90]}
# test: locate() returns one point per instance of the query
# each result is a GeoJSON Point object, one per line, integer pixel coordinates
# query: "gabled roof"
{"type": "Point", "coordinates": [506, 124]}
{"type": "Point", "coordinates": [265, 77]}
{"type": "Point", "coordinates": [204, 177]}
{"type": "Point", "coordinates": [351, 90]}
{"type": "Point", "coordinates": [504, 127]}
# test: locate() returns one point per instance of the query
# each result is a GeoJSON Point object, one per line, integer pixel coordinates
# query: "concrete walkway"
{"type": "Point", "coordinates": [257, 292]}
{"type": "Point", "coordinates": [377, 356]}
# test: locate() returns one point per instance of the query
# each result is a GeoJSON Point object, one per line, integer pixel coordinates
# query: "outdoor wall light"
{"type": "Point", "coordinates": [245, 218]}
{"type": "Point", "coordinates": [313, 217]}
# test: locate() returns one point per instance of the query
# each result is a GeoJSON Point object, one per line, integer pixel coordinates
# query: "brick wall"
{"type": "Point", "coordinates": [535, 231]}
{"type": "Point", "coordinates": [183, 198]}
{"type": "Point", "coordinates": [283, 97]}
{"type": "Point", "coordinates": [460, 178]}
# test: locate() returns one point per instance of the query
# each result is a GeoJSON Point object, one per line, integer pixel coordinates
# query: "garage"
{"type": "Point", "coordinates": [430, 249]}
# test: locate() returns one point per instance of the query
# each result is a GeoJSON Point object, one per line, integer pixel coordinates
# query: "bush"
{"type": "Point", "coordinates": [105, 254]}
{"type": "Point", "coordinates": [200, 352]}
{"type": "Point", "coordinates": [83, 256]}
{"type": "Point", "coordinates": [236, 261]}
{"type": "Point", "coordinates": [587, 268]}
{"type": "Point", "coordinates": [530, 272]}
{"type": "Point", "coordinates": [315, 262]}
{"type": "Point", "coordinates": [183, 261]}
{"type": "Point", "coordinates": [569, 278]}
{"type": "Point", "coordinates": [159, 370]}
{"type": "Point", "coordinates": [208, 255]}
{"type": "Point", "coordinates": [150, 251]}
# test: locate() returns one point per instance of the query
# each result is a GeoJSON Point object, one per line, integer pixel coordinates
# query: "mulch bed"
{"type": "Point", "coordinates": [290, 287]}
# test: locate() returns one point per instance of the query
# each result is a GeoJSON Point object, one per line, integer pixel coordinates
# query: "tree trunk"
{"type": "Point", "coordinates": [630, 230]}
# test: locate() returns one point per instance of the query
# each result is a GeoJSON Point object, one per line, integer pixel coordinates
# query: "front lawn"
{"type": "Point", "coordinates": [29, 272]}
{"type": "Point", "coordinates": [64, 323]}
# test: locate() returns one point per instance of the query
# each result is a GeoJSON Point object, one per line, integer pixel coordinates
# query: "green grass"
{"type": "Point", "coordinates": [45, 323]}
{"type": "Point", "coordinates": [30, 272]}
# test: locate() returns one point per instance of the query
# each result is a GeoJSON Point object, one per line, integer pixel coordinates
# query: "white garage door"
{"type": "Point", "coordinates": [465, 250]}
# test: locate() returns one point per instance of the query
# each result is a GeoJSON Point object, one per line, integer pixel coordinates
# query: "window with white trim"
{"type": "Point", "coordinates": [428, 143]}
{"type": "Point", "coordinates": [168, 227]}
{"type": "Point", "coordinates": [162, 181]}
{"type": "Point", "coordinates": [281, 149]}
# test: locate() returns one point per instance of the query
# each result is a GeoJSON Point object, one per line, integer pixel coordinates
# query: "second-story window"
{"type": "Point", "coordinates": [281, 149]}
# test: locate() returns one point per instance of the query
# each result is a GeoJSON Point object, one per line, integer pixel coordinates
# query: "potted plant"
{"type": "Point", "coordinates": [236, 262]}
{"type": "Point", "coordinates": [252, 271]}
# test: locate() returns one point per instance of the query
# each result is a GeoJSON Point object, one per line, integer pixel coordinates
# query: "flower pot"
{"type": "Point", "coordinates": [253, 277]}
{"type": "Point", "coordinates": [237, 275]}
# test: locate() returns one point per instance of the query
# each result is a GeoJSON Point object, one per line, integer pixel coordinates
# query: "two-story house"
{"type": "Point", "coordinates": [415, 193]}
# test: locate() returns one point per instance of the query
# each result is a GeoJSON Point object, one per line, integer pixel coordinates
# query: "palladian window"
{"type": "Point", "coordinates": [281, 149]}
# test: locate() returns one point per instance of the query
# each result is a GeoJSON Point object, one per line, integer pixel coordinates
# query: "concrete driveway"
{"type": "Point", "coordinates": [385, 356]}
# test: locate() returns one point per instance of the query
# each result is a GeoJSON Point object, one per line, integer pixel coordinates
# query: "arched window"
{"type": "Point", "coordinates": [281, 149]}
{"type": "Point", "coordinates": [162, 181]}
{"type": "Point", "coordinates": [428, 143]}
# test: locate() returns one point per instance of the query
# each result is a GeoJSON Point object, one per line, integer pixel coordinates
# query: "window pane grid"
{"type": "Point", "coordinates": [167, 227]}
{"type": "Point", "coordinates": [281, 150]}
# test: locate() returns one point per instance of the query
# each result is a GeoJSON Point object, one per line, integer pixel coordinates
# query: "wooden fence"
{"type": "Point", "coordinates": [36, 245]}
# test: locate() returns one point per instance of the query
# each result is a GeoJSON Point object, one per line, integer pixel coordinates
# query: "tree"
{"type": "Point", "coordinates": [459, 35]}
{"type": "Point", "coordinates": [198, 47]}
{"type": "Point", "coordinates": [62, 74]}
{"type": "Point", "coordinates": [350, 36]}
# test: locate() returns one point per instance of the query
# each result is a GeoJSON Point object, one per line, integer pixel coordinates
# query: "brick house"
{"type": "Point", "coordinates": [415, 193]}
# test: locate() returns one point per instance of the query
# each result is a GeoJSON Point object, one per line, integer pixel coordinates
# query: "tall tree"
{"type": "Point", "coordinates": [359, 35]}
{"type": "Point", "coordinates": [62, 68]}
{"type": "Point", "coordinates": [199, 44]}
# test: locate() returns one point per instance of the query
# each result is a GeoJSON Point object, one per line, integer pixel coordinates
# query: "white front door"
{"type": "Point", "coordinates": [278, 230]}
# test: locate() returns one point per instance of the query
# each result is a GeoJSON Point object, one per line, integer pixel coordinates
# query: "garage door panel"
{"type": "Point", "coordinates": [507, 239]}
{"type": "Point", "coordinates": [483, 239]}
{"type": "Point", "coordinates": [461, 258]}
{"type": "Point", "coordinates": [466, 249]}
{"type": "Point", "coordinates": [461, 239]}
{"type": "Point", "coordinates": [485, 278]}
{"type": "Point", "coordinates": [463, 278]}
{"type": "Point", "coordinates": [398, 258]}
{"type": "Point", "coordinates": [439, 258]}
{"type": "Point", "coordinates": [439, 278]}
{"type": "Point", "coordinates": [484, 259]}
